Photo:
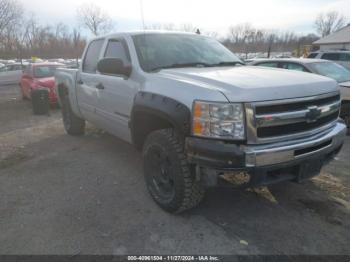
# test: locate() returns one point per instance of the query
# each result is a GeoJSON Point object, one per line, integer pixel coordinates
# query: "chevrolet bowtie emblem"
{"type": "Point", "coordinates": [313, 114]}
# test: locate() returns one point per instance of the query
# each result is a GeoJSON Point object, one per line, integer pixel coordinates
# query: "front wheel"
{"type": "Point", "coordinates": [347, 122]}
{"type": "Point", "coordinates": [168, 176]}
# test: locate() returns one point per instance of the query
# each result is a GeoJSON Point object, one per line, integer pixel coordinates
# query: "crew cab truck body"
{"type": "Point", "coordinates": [197, 113]}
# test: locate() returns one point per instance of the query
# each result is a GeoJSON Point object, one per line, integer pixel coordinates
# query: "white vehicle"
{"type": "Point", "coordinates": [320, 67]}
{"type": "Point", "coordinates": [11, 74]}
{"type": "Point", "coordinates": [339, 57]}
{"type": "Point", "coordinates": [197, 113]}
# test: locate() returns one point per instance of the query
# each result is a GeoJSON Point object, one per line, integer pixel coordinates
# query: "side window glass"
{"type": "Point", "coordinates": [92, 56]}
{"type": "Point", "coordinates": [117, 49]}
{"type": "Point", "coordinates": [331, 56]}
{"type": "Point", "coordinates": [345, 57]}
{"type": "Point", "coordinates": [269, 64]}
{"type": "Point", "coordinates": [27, 70]}
{"type": "Point", "coordinates": [312, 55]}
{"type": "Point", "coordinates": [293, 66]}
{"type": "Point", "coordinates": [17, 67]}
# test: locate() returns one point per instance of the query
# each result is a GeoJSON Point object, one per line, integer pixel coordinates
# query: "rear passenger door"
{"type": "Point", "coordinates": [117, 92]}
{"type": "Point", "coordinates": [10, 74]}
{"type": "Point", "coordinates": [4, 73]}
{"type": "Point", "coordinates": [87, 81]}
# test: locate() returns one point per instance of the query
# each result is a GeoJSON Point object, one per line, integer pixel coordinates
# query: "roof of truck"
{"type": "Point", "coordinates": [148, 32]}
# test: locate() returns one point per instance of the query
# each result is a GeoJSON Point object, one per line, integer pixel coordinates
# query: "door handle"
{"type": "Point", "coordinates": [80, 82]}
{"type": "Point", "coordinates": [100, 86]}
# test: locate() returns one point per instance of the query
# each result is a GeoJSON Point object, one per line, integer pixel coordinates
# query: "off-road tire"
{"type": "Point", "coordinates": [347, 123]}
{"type": "Point", "coordinates": [188, 193]}
{"type": "Point", "coordinates": [73, 124]}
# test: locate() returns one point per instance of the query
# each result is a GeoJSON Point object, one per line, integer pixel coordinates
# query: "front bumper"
{"type": "Point", "coordinates": [257, 160]}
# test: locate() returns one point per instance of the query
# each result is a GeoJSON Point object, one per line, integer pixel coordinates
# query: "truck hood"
{"type": "Point", "coordinates": [248, 83]}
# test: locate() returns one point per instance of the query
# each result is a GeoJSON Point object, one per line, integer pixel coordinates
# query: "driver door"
{"type": "Point", "coordinates": [116, 93]}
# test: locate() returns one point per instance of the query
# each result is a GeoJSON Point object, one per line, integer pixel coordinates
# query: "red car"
{"type": "Point", "coordinates": [40, 76]}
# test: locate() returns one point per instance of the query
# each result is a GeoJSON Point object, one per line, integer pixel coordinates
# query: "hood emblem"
{"type": "Point", "coordinates": [313, 115]}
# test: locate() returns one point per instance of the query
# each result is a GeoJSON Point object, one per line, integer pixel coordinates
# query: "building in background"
{"type": "Point", "coordinates": [339, 40]}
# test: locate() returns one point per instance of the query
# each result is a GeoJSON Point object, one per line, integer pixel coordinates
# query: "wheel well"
{"type": "Point", "coordinates": [345, 108]}
{"type": "Point", "coordinates": [62, 90]}
{"type": "Point", "coordinates": [144, 124]}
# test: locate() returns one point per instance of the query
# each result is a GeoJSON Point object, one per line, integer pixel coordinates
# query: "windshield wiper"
{"type": "Point", "coordinates": [177, 65]}
{"type": "Point", "coordinates": [228, 63]}
{"type": "Point", "coordinates": [197, 64]}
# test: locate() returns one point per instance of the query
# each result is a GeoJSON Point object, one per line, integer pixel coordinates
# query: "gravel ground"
{"type": "Point", "coordinates": [86, 195]}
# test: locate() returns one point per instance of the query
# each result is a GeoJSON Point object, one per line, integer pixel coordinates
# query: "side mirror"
{"type": "Point", "coordinates": [113, 66]}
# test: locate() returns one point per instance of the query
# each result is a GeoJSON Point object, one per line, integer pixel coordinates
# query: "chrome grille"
{"type": "Point", "coordinates": [293, 118]}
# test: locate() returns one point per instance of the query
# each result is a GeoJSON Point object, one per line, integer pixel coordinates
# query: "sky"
{"type": "Point", "coordinates": [208, 15]}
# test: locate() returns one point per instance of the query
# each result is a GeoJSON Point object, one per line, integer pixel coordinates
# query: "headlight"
{"type": "Point", "coordinates": [218, 120]}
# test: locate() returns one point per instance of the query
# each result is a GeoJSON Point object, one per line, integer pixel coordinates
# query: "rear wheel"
{"type": "Point", "coordinates": [73, 124]}
{"type": "Point", "coordinates": [168, 175]}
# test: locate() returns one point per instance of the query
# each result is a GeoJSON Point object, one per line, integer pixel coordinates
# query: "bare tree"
{"type": "Point", "coordinates": [160, 26]}
{"type": "Point", "coordinates": [188, 28]}
{"type": "Point", "coordinates": [10, 12]}
{"type": "Point", "coordinates": [76, 37]}
{"type": "Point", "coordinates": [94, 18]}
{"type": "Point", "coordinates": [327, 23]}
{"type": "Point", "coordinates": [172, 27]}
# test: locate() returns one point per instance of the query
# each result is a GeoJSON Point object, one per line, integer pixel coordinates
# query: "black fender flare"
{"type": "Point", "coordinates": [162, 108]}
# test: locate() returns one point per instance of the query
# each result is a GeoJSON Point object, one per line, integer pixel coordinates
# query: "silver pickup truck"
{"type": "Point", "coordinates": [199, 115]}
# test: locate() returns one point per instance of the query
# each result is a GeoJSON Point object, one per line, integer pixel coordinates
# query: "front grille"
{"type": "Point", "coordinates": [276, 120]}
{"type": "Point", "coordinates": [296, 127]}
{"type": "Point", "coordinates": [293, 106]}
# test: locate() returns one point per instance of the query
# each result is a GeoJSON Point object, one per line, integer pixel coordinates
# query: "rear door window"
{"type": "Point", "coordinates": [331, 56]}
{"type": "Point", "coordinates": [92, 56]}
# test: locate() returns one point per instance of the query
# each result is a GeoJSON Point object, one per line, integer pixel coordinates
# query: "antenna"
{"type": "Point", "coordinates": [142, 15]}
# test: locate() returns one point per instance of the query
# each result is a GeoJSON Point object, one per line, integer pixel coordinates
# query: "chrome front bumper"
{"type": "Point", "coordinates": [293, 150]}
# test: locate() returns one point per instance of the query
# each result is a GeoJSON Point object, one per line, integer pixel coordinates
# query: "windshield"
{"type": "Point", "coordinates": [157, 51]}
{"type": "Point", "coordinates": [332, 70]}
{"type": "Point", "coordinates": [44, 71]}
